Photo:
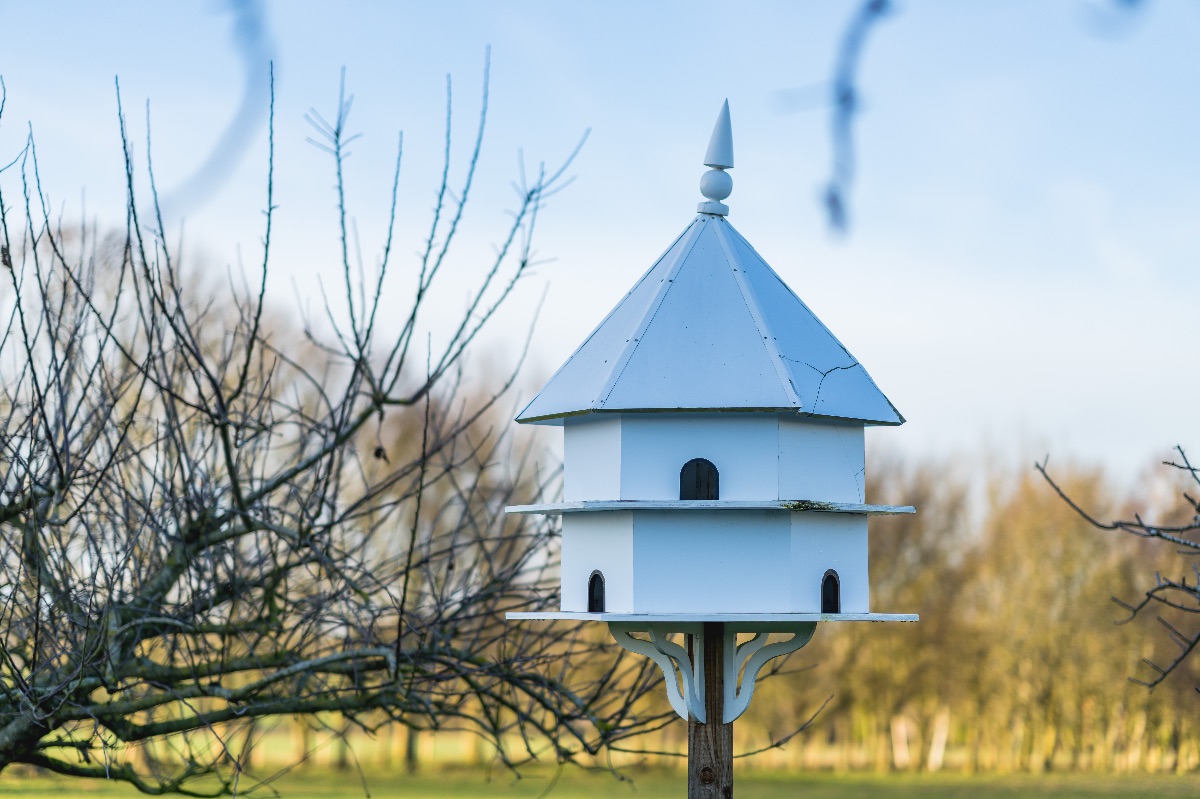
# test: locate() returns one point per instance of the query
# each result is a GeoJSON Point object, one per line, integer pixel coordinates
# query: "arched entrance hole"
{"type": "Point", "coordinates": [831, 593]}
{"type": "Point", "coordinates": [698, 479]}
{"type": "Point", "coordinates": [595, 602]}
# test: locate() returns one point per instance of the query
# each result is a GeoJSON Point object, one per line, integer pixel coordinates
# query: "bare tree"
{"type": "Point", "coordinates": [1175, 601]}
{"type": "Point", "coordinates": [207, 519]}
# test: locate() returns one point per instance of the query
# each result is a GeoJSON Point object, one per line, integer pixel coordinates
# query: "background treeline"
{"type": "Point", "coordinates": [1018, 663]}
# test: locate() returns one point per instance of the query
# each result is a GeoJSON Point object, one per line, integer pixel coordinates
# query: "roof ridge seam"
{"type": "Point", "coordinates": [598, 327]}
{"type": "Point", "coordinates": [651, 310]}
{"type": "Point", "coordinates": [760, 321]}
{"type": "Point", "coordinates": [853, 359]}
{"type": "Point", "coordinates": [787, 287]}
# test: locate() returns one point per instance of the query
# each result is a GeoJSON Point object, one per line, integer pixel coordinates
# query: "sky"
{"type": "Point", "coordinates": [1019, 272]}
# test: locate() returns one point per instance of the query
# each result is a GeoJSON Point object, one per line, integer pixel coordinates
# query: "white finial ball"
{"type": "Point", "coordinates": [716, 184]}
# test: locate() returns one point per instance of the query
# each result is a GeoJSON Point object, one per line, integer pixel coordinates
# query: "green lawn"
{"type": "Point", "coordinates": [575, 785]}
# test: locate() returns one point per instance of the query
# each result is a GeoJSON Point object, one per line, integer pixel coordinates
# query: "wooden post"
{"type": "Point", "coordinates": [710, 746]}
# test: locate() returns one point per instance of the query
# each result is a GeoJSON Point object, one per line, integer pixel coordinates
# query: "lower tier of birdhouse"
{"type": "Point", "coordinates": [709, 562]}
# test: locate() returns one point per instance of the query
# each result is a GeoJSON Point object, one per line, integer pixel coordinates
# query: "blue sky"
{"type": "Point", "coordinates": [1019, 275]}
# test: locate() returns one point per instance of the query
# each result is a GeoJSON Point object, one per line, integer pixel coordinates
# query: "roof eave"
{"type": "Point", "coordinates": [557, 418]}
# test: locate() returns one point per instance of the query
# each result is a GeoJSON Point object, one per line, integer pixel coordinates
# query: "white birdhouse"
{"type": "Point", "coordinates": [714, 454]}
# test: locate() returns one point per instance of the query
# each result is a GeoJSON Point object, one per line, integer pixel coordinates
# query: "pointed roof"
{"type": "Point", "coordinates": [711, 327]}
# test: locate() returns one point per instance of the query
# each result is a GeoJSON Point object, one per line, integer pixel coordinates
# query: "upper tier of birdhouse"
{"type": "Point", "coordinates": [713, 463]}
{"type": "Point", "coordinates": [711, 328]}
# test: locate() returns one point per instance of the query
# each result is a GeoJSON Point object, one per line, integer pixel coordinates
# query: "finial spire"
{"type": "Point", "coordinates": [720, 146]}
{"type": "Point", "coordinates": [716, 184]}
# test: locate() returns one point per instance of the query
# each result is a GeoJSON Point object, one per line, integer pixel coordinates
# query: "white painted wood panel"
{"type": "Point", "coordinates": [822, 541]}
{"type": "Point", "coordinates": [603, 542]}
{"type": "Point", "coordinates": [743, 447]}
{"type": "Point", "coordinates": [592, 457]}
{"type": "Point", "coordinates": [821, 461]}
{"type": "Point", "coordinates": [711, 562]}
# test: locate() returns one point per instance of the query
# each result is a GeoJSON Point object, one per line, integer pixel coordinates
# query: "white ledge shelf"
{"type": "Point", "coordinates": [790, 505]}
{"type": "Point", "coordinates": [699, 618]}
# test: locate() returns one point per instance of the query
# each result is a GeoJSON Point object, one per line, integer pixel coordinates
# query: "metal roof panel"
{"type": "Point", "coordinates": [711, 327]}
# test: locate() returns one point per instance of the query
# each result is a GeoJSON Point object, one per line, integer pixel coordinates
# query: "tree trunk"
{"type": "Point", "coordinates": [411, 752]}
{"type": "Point", "coordinates": [710, 746]}
{"type": "Point", "coordinates": [900, 753]}
{"type": "Point", "coordinates": [246, 758]}
{"type": "Point", "coordinates": [385, 746]}
{"type": "Point", "coordinates": [342, 756]}
{"type": "Point", "coordinates": [937, 744]}
{"type": "Point", "coordinates": [302, 735]}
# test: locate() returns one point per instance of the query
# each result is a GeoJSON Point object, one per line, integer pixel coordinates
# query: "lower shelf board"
{"type": "Point", "coordinates": [693, 618]}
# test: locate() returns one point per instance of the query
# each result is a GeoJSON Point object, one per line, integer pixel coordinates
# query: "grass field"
{"type": "Point", "coordinates": [576, 785]}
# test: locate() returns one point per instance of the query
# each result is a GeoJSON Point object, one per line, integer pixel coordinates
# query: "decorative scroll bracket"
{"type": "Point", "coordinates": [673, 659]}
{"type": "Point", "coordinates": [750, 657]}
{"type": "Point", "coordinates": [685, 679]}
